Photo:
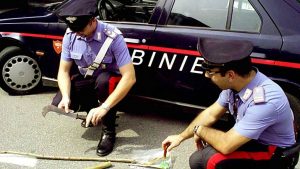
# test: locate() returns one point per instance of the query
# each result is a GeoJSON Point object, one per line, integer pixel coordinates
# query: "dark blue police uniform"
{"type": "Point", "coordinates": [87, 92]}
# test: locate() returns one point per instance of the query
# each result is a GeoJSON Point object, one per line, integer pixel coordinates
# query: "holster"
{"type": "Point", "coordinates": [286, 158]}
{"type": "Point", "coordinates": [291, 151]}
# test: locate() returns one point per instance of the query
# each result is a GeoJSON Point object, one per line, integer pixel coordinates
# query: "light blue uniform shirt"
{"type": "Point", "coordinates": [270, 121]}
{"type": "Point", "coordinates": [84, 51]}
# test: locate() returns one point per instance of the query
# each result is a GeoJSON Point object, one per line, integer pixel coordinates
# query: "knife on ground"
{"type": "Point", "coordinates": [52, 108]}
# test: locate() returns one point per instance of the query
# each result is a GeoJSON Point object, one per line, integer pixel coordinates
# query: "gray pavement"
{"type": "Point", "coordinates": [24, 129]}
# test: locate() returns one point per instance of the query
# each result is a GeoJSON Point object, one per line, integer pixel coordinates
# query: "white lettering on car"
{"type": "Point", "coordinates": [139, 57]}
{"type": "Point", "coordinates": [168, 60]}
{"type": "Point", "coordinates": [183, 63]}
{"type": "Point", "coordinates": [197, 64]}
{"type": "Point", "coordinates": [151, 59]}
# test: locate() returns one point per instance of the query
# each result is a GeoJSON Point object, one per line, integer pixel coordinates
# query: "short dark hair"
{"type": "Point", "coordinates": [241, 67]}
{"type": "Point", "coordinates": [79, 24]}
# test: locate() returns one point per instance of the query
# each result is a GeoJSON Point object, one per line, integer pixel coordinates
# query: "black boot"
{"type": "Point", "coordinates": [108, 136]}
{"type": "Point", "coordinates": [106, 144]}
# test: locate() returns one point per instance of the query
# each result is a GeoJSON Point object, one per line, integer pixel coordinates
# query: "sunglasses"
{"type": "Point", "coordinates": [210, 73]}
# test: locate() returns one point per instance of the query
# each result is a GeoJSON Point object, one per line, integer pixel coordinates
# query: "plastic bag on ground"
{"type": "Point", "coordinates": [151, 159]}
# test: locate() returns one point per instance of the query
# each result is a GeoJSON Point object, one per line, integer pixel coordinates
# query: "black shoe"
{"type": "Point", "coordinates": [106, 144]}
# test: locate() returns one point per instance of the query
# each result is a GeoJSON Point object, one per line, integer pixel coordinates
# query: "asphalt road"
{"type": "Point", "coordinates": [24, 129]}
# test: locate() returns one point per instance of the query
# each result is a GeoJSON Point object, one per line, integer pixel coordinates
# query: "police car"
{"type": "Point", "coordinates": [162, 37]}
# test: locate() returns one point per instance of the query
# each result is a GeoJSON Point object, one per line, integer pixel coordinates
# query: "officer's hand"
{"type": "Point", "coordinates": [172, 142]}
{"type": "Point", "coordinates": [199, 142]}
{"type": "Point", "coordinates": [89, 117]}
{"type": "Point", "coordinates": [64, 104]}
{"type": "Point", "coordinates": [95, 115]}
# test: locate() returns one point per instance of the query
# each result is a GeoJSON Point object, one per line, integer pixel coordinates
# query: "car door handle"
{"type": "Point", "coordinates": [131, 40]}
{"type": "Point", "coordinates": [258, 55]}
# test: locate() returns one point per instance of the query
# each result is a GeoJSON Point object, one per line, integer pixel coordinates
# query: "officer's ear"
{"type": "Point", "coordinates": [231, 75]}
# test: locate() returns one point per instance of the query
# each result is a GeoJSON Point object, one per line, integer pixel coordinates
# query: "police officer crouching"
{"type": "Point", "coordinates": [263, 121]}
{"type": "Point", "coordinates": [106, 73]}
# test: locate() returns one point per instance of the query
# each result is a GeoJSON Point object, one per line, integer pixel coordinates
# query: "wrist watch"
{"type": "Point", "coordinates": [196, 129]}
{"type": "Point", "coordinates": [105, 107]}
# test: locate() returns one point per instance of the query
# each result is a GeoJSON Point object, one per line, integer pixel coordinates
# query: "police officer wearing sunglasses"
{"type": "Point", "coordinates": [262, 129]}
{"type": "Point", "coordinates": [105, 75]}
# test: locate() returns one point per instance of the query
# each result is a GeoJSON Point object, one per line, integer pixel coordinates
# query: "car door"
{"type": "Point", "coordinates": [137, 21]}
{"type": "Point", "coordinates": [184, 21]}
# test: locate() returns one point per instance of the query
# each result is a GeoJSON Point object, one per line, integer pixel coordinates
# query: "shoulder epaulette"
{"type": "Point", "coordinates": [111, 31]}
{"type": "Point", "coordinates": [259, 95]}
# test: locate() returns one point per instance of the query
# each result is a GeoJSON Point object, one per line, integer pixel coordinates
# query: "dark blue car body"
{"type": "Point", "coordinates": [163, 47]}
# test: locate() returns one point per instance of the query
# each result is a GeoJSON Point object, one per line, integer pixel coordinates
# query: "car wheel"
{"type": "Point", "coordinates": [20, 73]}
{"type": "Point", "coordinates": [295, 105]}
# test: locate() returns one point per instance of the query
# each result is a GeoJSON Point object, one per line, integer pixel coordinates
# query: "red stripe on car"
{"type": "Point", "coordinates": [276, 63]}
{"type": "Point", "coordinates": [169, 50]}
{"type": "Point", "coordinates": [34, 35]}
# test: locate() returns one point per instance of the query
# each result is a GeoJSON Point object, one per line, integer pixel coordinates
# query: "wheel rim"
{"type": "Point", "coordinates": [21, 73]}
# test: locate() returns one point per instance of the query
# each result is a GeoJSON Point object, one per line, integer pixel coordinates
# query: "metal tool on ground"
{"type": "Point", "coordinates": [72, 114]}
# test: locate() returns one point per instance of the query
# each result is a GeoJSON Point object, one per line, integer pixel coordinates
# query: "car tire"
{"type": "Point", "coordinates": [295, 105]}
{"type": "Point", "coordinates": [20, 73]}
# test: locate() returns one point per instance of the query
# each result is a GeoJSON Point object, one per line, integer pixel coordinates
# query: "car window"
{"type": "Point", "coordinates": [201, 13]}
{"type": "Point", "coordinates": [244, 17]}
{"type": "Point", "coordinates": [126, 10]}
{"type": "Point", "coordinates": [213, 14]}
